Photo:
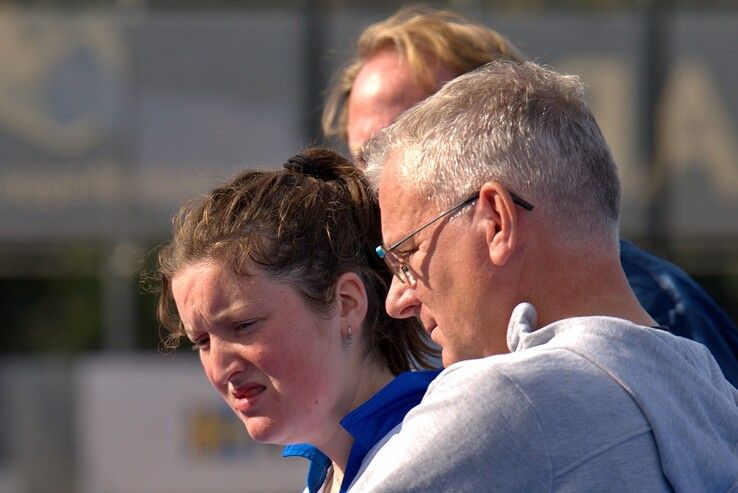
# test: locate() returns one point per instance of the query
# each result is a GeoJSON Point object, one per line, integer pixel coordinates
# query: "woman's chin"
{"type": "Point", "coordinates": [263, 430]}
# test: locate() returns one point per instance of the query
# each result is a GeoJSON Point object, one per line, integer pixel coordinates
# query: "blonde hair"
{"type": "Point", "coordinates": [416, 33]}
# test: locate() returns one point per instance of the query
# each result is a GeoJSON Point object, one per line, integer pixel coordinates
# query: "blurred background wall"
{"type": "Point", "coordinates": [113, 113]}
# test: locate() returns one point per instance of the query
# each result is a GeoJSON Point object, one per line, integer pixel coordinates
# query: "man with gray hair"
{"type": "Point", "coordinates": [500, 218]}
{"type": "Point", "coordinates": [403, 59]}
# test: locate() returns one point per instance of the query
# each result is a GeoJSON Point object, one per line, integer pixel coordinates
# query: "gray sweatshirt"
{"type": "Point", "coordinates": [583, 404]}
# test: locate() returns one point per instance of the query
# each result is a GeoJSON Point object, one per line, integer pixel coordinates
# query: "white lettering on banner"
{"type": "Point", "coordinates": [100, 183]}
{"type": "Point", "coordinates": [611, 95]}
{"type": "Point", "coordinates": [697, 130]}
{"type": "Point", "coordinates": [34, 188]}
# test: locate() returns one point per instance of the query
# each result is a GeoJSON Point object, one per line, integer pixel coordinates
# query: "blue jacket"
{"type": "Point", "coordinates": [675, 301]}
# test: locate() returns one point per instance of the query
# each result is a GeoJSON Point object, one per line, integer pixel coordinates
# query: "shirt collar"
{"type": "Point", "coordinates": [367, 423]}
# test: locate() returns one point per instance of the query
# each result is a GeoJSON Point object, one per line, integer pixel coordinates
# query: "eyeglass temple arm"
{"type": "Point", "coordinates": [381, 251]}
{"type": "Point", "coordinates": [521, 202]}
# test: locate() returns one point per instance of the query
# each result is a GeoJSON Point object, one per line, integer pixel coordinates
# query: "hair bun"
{"type": "Point", "coordinates": [300, 163]}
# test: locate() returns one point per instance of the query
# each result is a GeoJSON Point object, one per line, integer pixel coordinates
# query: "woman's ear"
{"type": "Point", "coordinates": [351, 301]}
{"type": "Point", "coordinates": [500, 217]}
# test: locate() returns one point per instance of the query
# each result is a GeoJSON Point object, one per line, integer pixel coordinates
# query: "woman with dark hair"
{"type": "Point", "coordinates": [274, 280]}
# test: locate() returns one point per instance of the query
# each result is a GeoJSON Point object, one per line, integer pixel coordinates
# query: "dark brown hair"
{"type": "Point", "coordinates": [306, 225]}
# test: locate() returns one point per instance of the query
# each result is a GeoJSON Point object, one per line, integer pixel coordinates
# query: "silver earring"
{"type": "Point", "coordinates": [349, 335]}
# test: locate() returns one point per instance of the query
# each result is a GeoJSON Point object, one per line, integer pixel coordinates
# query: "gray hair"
{"type": "Point", "coordinates": [520, 124]}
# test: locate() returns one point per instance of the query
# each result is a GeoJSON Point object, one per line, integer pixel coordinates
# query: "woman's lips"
{"type": "Point", "coordinates": [247, 396]}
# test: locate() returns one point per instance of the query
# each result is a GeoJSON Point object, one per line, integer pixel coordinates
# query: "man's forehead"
{"type": "Point", "coordinates": [394, 178]}
{"type": "Point", "coordinates": [383, 89]}
{"type": "Point", "coordinates": [400, 201]}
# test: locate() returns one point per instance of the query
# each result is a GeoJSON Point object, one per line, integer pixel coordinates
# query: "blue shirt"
{"type": "Point", "coordinates": [674, 300]}
{"type": "Point", "coordinates": [368, 424]}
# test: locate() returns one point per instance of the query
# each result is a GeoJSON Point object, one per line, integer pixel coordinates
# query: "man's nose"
{"type": "Point", "coordinates": [401, 300]}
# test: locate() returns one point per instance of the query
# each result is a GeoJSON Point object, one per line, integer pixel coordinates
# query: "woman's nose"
{"type": "Point", "coordinates": [224, 361]}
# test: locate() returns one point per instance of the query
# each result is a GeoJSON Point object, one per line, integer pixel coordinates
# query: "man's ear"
{"type": "Point", "coordinates": [501, 221]}
{"type": "Point", "coordinates": [351, 301]}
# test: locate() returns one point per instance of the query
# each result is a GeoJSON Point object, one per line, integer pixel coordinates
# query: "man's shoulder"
{"type": "Point", "coordinates": [477, 378]}
{"type": "Point", "coordinates": [543, 415]}
{"type": "Point", "coordinates": [544, 386]}
{"type": "Point", "coordinates": [678, 303]}
{"type": "Point", "coordinates": [549, 369]}
{"type": "Point", "coordinates": [470, 422]}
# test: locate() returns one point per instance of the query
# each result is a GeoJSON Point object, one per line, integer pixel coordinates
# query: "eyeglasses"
{"type": "Point", "coordinates": [397, 263]}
